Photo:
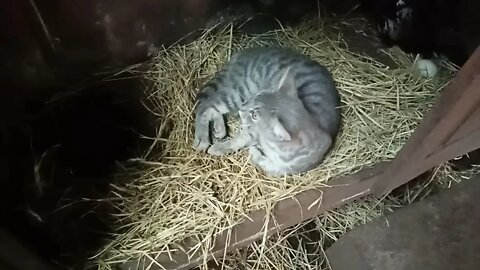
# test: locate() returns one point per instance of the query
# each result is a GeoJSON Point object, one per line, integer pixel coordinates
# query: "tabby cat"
{"type": "Point", "coordinates": [288, 106]}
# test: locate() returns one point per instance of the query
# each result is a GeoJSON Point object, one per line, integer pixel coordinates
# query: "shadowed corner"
{"type": "Point", "coordinates": [56, 165]}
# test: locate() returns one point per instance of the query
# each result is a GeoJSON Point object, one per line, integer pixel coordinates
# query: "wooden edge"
{"type": "Point", "coordinates": [286, 213]}
{"type": "Point", "coordinates": [471, 125]}
{"type": "Point", "coordinates": [460, 111]}
{"type": "Point", "coordinates": [449, 113]}
{"type": "Point", "coordinates": [457, 144]}
{"type": "Point", "coordinates": [451, 150]}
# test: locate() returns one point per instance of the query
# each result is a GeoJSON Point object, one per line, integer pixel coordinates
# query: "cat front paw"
{"type": "Point", "coordinates": [218, 149]}
{"type": "Point", "coordinates": [219, 128]}
{"type": "Point", "coordinates": [255, 154]}
{"type": "Point", "coordinates": [201, 143]}
{"type": "Point", "coordinates": [202, 138]}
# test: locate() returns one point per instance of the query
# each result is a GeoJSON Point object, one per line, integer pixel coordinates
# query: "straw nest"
{"type": "Point", "coordinates": [178, 193]}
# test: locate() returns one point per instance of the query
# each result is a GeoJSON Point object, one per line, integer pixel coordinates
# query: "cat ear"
{"type": "Point", "coordinates": [280, 131]}
{"type": "Point", "coordinates": [287, 84]}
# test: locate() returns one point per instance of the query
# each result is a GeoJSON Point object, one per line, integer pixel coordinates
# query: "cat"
{"type": "Point", "coordinates": [288, 106]}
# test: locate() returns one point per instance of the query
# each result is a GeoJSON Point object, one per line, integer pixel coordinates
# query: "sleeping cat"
{"type": "Point", "coordinates": [288, 106]}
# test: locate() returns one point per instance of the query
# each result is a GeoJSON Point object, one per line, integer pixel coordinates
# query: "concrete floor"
{"type": "Point", "coordinates": [441, 232]}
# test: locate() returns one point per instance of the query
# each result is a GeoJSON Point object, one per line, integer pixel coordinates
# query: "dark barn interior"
{"type": "Point", "coordinates": [68, 121]}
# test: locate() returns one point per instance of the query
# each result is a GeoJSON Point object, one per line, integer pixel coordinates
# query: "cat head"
{"type": "Point", "coordinates": [261, 113]}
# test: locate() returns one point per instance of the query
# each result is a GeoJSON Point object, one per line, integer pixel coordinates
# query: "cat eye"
{"type": "Point", "coordinates": [253, 115]}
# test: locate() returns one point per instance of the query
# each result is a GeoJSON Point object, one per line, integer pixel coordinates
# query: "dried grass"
{"type": "Point", "coordinates": [179, 193]}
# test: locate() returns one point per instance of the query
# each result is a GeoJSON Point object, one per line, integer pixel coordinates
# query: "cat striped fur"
{"type": "Point", "coordinates": [293, 98]}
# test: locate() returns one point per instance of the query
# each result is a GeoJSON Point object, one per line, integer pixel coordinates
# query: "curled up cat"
{"type": "Point", "coordinates": [288, 107]}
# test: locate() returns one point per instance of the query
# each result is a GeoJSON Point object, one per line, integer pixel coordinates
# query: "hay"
{"type": "Point", "coordinates": [303, 247]}
{"type": "Point", "coordinates": [179, 193]}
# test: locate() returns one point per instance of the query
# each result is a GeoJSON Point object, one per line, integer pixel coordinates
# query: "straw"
{"type": "Point", "coordinates": [179, 193]}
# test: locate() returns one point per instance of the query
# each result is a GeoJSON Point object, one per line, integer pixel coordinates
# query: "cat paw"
{"type": "Point", "coordinates": [201, 143]}
{"type": "Point", "coordinates": [254, 151]}
{"type": "Point", "coordinates": [217, 149]}
{"type": "Point", "coordinates": [219, 129]}
{"type": "Point", "coordinates": [256, 155]}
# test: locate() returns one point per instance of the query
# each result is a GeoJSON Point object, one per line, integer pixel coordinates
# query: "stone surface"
{"type": "Point", "coordinates": [440, 232]}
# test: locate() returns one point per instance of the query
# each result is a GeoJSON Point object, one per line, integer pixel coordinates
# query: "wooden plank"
{"type": "Point", "coordinates": [457, 102]}
{"type": "Point", "coordinates": [439, 232]}
{"type": "Point", "coordinates": [286, 213]}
